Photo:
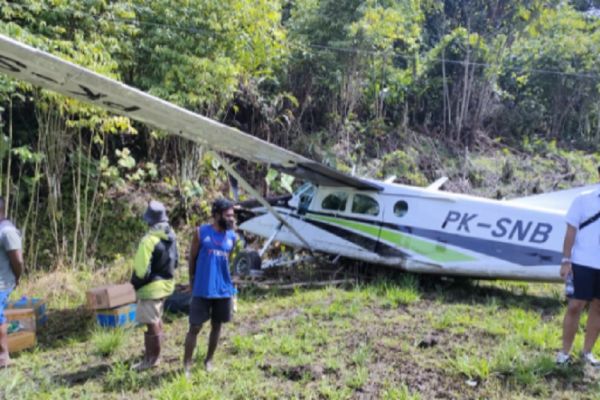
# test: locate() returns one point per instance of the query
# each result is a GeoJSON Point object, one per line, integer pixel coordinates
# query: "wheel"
{"type": "Point", "coordinates": [246, 261]}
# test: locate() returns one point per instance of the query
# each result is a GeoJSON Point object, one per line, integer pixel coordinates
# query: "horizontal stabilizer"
{"type": "Point", "coordinates": [438, 183]}
{"type": "Point", "coordinates": [559, 201]}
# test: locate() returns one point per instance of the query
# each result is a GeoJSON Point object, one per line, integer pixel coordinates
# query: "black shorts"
{"type": "Point", "coordinates": [586, 282]}
{"type": "Point", "coordinates": [217, 310]}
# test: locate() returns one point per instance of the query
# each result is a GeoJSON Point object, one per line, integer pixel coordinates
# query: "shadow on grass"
{"type": "Point", "coordinates": [65, 325]}
{"type": "Point", "coordinates": [431, 287]}
{"type": "Point", "coordinates": [469, 291]}
{"type": "Point", "coordinates": [118, 377]}
{"type": "Point", "coordinates": [459, 290]}
{"type": "Point", "coordinates": [82, 376]}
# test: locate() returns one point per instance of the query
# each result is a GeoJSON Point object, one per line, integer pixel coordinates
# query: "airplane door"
{"type": "Point", "coordinates": [364, 215]}
{"type": "Point", "coordinates": [349, 222]}
{"type": "Point", "coordinates": [394, 219]}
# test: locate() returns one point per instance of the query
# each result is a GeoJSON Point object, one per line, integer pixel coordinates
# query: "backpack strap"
{"type": "Point", "coordinates": [585, 223]}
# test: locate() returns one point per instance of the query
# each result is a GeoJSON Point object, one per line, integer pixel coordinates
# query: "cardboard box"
{"type": "Point", "coordinates": [110, 296]}
{"type": "Point", "coordinates": [38, 305]}
{"type": "Point", "coordinates": [20, 341]}
{"type": "Point", "coordinates": [20, 319]}
{"type": "Point", "coordinates": [120, 316]}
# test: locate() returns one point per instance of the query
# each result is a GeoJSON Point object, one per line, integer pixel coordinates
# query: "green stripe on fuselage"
{"type": "Point", "coordinates": [435, 252]}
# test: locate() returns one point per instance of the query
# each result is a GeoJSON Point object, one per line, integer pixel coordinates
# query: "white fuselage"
{"type": "Point", "coordinates": [424, 230]}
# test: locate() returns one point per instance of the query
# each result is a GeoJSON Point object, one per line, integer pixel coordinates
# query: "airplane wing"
{"type": "Point", "coordinates": [559, 201]}
{"type": "Point", "coordinates": [24, 62]}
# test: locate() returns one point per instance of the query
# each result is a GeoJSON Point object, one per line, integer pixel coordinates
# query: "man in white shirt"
{"type": "Point", "coordinates": [581, 258]}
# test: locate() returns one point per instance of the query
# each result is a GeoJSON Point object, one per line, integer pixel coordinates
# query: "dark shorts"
{"type": "Point", "coordinates": [203, 309]}
{"type": "Point", "coordinates": [586, 282]}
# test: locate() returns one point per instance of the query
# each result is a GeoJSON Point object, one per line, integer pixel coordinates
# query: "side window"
{"type": "Point", "coordinates": [362, 204]}
{"type": "Point", "coordinates": [335, 201]}
{"type": "Point", "coordinates": [400, 208]}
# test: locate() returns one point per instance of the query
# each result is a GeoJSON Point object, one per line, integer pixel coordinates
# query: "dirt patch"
{"type": "Point", "coordinates": [429, 340]}
{"type": "Point", "coordinates": [252, 326]}
{"type": "Point", "coordinates": [430, 382]}
{"type": "Point", "coordinates": [296, 372]}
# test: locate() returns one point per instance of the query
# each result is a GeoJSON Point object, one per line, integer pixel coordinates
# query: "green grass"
{"type": "Point", "coordinates": [401, 392]}
{"type": "Point", "coordinates": [362, 355]}
{"type": "Point", "coordinates": [357, 378]}
{"type": "Point", "coordinates": [122, 377]}
{"type": "Point", "coordinates": [394, 293]}
{"type": "Point", "coordinates": [470, 365]}
{"type": "Point", "coordinates": [106, 342]}
{"type": "Point", "coordinates": [331, 343]}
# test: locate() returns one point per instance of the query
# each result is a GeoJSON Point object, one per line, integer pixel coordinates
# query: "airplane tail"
{"type": "Point", "coordinates": [558, 201]}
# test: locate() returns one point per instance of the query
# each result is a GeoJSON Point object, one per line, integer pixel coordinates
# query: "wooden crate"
{"type": "Point", "coordinates": [20, 341]}
{"type": "Point", "coordinates": [23, 317]}
{"type": "Point", "coordinates": [110, 296]}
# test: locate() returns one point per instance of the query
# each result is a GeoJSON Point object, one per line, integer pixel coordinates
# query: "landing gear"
{"type": "Point", "coordinates": [247, 262]}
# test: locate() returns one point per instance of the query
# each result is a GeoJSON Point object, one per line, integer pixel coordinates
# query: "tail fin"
{"type": "Point", "coordinates": [559, 201]}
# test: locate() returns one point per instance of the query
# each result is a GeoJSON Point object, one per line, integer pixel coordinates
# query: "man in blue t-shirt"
{"type": "Point", "coordinates": [210, 280]}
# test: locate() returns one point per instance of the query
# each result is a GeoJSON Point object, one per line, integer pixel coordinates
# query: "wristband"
{"type": "Point", "coordinates": [565, 259]}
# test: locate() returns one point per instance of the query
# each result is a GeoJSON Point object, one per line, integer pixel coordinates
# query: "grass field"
{"type": "Point", "coordinates": [405, 337]}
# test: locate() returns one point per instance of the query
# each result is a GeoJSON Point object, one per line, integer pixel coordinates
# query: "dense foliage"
{"type": "Point", "coordinates": [407, 87]}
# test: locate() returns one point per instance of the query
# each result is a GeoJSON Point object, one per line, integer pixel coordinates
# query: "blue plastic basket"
{"type": "Point", "coordinates": [119, 316]}
{"type": "Point", "coordinates": [38, 305]}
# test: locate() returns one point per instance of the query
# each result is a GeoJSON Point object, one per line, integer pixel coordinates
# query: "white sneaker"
{"type": "Point", "coordinates": [562, 358]}
{"type": "Point", "coordinates": [589, 359]}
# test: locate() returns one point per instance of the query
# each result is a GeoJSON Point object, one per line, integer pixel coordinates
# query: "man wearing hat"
{"type": "Point", "coordinates": [153, 271]}
{"type": "Point", "coordinates": [210, 280]}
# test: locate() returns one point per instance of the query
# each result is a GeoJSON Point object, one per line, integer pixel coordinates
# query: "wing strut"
{"type": "Point", "coordinates": [260, 199]}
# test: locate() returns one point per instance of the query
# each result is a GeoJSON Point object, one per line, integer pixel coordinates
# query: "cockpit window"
{"type": "Point", "coordinates": [362, 204]}
{"type": "Point", "coordinates": [303, 188]}
{"type": "Point", "coordinates": [305, 197]}
{"type": "Point", "coordinates": [335, 201]}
